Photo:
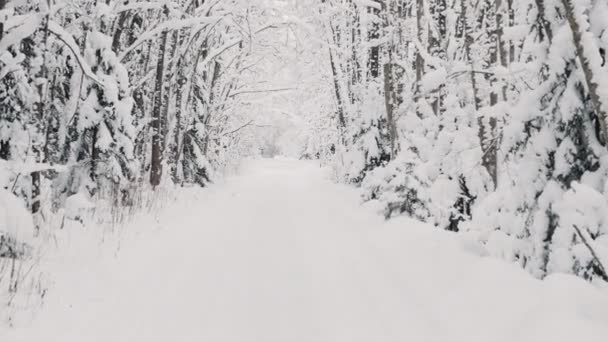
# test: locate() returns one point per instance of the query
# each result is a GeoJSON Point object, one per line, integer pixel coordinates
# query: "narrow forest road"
{"type": "Point", "coordinates": [280, 254]}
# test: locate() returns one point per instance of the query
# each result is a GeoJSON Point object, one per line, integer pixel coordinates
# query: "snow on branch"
{"type": "Point", "coordinates": [170, 26]}
{"type": "Point", "coordinates": [147, 5]}
{"type": "Point", "coordinates": [67, 39]}
{"type": "Point", "coordinates": [236, 42]}
{"type": "Point", "coordinates": [21, 30]}
{"type": "Point", "coordinates": [11, 64]}
{"type": "Point", "coordinates": [29, 167]}
{"type": "Point", "coordinates": [369, 3]}
{"type": "Point", "coordinates": [30, 24]}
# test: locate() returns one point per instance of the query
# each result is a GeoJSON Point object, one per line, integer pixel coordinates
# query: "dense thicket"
{"type": "Point", "coordinates": [481, 116]}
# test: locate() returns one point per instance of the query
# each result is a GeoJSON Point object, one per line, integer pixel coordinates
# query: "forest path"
{"type": "Point", "coordinates": [278, 253]}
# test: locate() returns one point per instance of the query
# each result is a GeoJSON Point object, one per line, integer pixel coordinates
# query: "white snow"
{"type": "Point", "coordinates": [280, 253]}
{"type": "Point", "coordinates": [15, 220]}
{"type": "Point", "coordinates": [21, 28]}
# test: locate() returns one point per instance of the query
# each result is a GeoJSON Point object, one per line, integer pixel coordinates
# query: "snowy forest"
{"type": "Point", "coordinates": [483, 119]}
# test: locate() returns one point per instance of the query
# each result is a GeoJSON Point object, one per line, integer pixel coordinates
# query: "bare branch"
{"type": "Point", "coordinates": [260, 91]}
{"type": "Point", "coordinates": [238, 129]}
{"type": "Point", "coordinates": [600, 266]}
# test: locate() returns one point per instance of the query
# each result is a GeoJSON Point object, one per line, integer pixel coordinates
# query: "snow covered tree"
{"type": "Point", "coordinates": [544, 214]}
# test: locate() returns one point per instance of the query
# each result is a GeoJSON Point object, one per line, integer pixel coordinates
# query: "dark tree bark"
{"type": "Point", "coordinates": [168, 85]}
{"type": "Point", "coordinates": [583, 52]}
{"type": "Point", "coordinates": [5, 146]}
{"type": "Point", "coordinates": [374, 35]}
{"type": "Point", "coordinates": [487, 127]}
{"type": "Point", "coordinates": [339, 101]}
{"type": "Point", "coordinates": [419, 64]}
{"type": "Point", "coordinates": [156, 170]}
{"type": "Point", "coordinates": [2, 5]}
{"type": "Point", "coordinates": [436, 46]}
{"type": "Point", "coordinates": [389, 85]}
{"type": "Point", "coordinates": [120, 27]}
{"type": "Point", "coordinates": [355, 76]}
{"type": "Point", "coordinates": [542, 20]}
{"type": "Point", "coordinates": [37, 145]}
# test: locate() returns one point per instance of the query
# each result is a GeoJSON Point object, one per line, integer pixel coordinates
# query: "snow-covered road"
{"type": "Point", "coordinates": [278, 253]}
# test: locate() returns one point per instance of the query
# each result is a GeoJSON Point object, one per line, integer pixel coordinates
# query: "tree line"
{"type": "Point", "coordinates": [102, 100]}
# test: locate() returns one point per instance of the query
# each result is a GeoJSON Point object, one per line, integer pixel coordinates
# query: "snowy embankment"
{"type": "Point", "coordinates": [279, 253]}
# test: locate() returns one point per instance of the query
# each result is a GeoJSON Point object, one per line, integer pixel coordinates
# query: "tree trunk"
{"type": "Point", "coordinates": [468, 42]}
{"type": "Point", "coordinates": [157, 119]}
{"type": "Point", "coordinates": [340, 104]}
{"type": "Point", "coordinates": [436, 46]}
{"type": "Point", "coordinates": [501, 48]}
{"type": "Point", "coordinates": [120, 26]}
{"type": "Point", "coordinates": [419, 66]}
{"type": "Point", "coordinates": [511, 16]}
{"type": "Point", "coordinates": [487, 128]}
{"type": "Point", "coordinates": [389, 87]}
{"type": "Point", "coordinates": [2, 5]}
{"type": "Point", "coordinates": [95, 153]}
{"type": "Point", "coordinates": [37, 144]}
{"type": "Point", "coordinates": [169, 73]}
{"type": "Point", "coordinates": [542, 19]}
{"type": "Point", "coordinates": [356, 64]}
{"type": "Point", "coordinates": [5, 146]}
{"type": "Point", "coordinates": [177, 137]}
{"type": "Point", "coordinates": [584, 54]}
{"type": "Point", "coordinates": [374, 35]}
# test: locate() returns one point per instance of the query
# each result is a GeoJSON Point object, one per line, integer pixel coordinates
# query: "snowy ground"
{"type": "Point", "coordinates": [279, 253]}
